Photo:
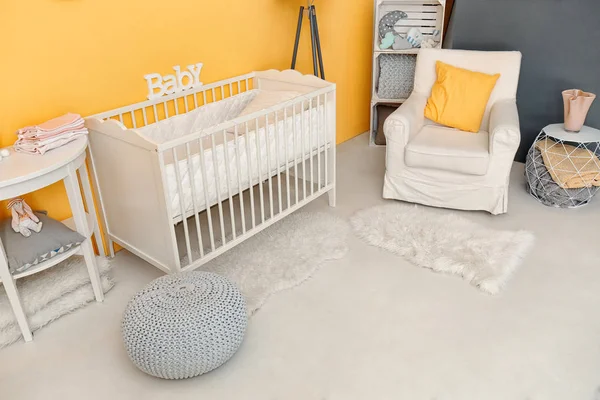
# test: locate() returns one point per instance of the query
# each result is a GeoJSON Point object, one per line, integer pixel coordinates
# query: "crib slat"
{"type": "Point", "coordinates": [182, 209]}
{"type": "Point", "coordinates": [155, 112]}
{"type": "Point", "coordinates": [230, 89]}
{"type": "Point", "coordinates": [228, 177]}
{"type": "Point", "coordinates": [214, 96]}
{"type": "Point", "coordinates": [287, 157]}
{"type": "Point", "coordinates": [302, 134]}
{"type": "Point", "coordinates": [238, 171]}
{"type": "Point", "coordinates": [191, 173]}
{"type": "Point", "coordinates": [250, 178]}
{"type": "Point", "coordinates": [277, 160]}
{"type": "Point", "coordinates": [133, 119]}
{"type": "Point", "coordinates": [185, 103]}
{"type": "Point", "coordinates": [222, 92]}
{"type": "Point", "coordinates": [204, 97]}
{"type": "Point", "coordinates": [166, 109]}
{"type": "Point", "coordinates": [144, 116]}
{"type": "Point", "coordinates": [259, 162]}
{"type": "Point", "coordinates": [211, 232]}
{"type": "Point", "coordinates": [239, 85]}
{"type": "Point", "coordinates": [121, 118]}
{"type": "Point", "coordinates": [175, 102]}
{"type": "Point", "coordinates": [269, 171]}
{"type": "Point", "coordinates": [295, 148]}
{"type": "Point", "coordinates": [318, 145]}
{"type": "Point", "coordinates": [218, 188]}
{"type": "Point", "coordinates": [326, 139]}
{"type": "Point", "coordinates": [195, 100]}
{"type": "Point", "coordinates": [310, 146]}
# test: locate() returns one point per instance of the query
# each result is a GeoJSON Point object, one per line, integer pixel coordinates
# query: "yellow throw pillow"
{"type": "Point", "coordinates": [459, 97]}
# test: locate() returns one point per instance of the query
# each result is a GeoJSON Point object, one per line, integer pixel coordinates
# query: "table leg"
{"type": "Point", "coordinates": [74, 195]}
{"type": "Point", "coordinates": [13, 296]}
{"type": "Point", "coordinates": [89, 200]}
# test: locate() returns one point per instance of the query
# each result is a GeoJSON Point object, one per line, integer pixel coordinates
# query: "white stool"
{"type": "Point", "coordinates": [23, 173]}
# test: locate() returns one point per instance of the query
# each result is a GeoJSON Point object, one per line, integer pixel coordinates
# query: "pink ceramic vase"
{"type": "Point", "coordinates": [577, 104]}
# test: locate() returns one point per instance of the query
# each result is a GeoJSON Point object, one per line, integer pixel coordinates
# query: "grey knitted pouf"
{"type": "Point", "coordinates": [184, 325]}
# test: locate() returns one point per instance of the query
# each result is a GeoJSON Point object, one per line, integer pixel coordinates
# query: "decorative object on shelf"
{"type": "Point", "coordinates": [444, 241]}
{"type": "Point", "coordinates": [51, 134]}
{"type": "Point", "coordinates": [169, 84]}
{"type": "Point", "coordinates": [23, 219]}
{"type": "Point", "coordinates": [563, 168]}
{"type": "Point", "coordinates": [388, 22]}
{"type": "Point", "coordinates": [396, 76]}
{"type": "Point", "coordinates": [24, 253]}
{"type": "Point", "coordinates": [428, 44]}
{"type": "Point", "coordinates": [51, 294]}
{"type": "Point", "coordinates": [184, 325]}
{"type": "Point", "coordinates": [317, 54]}
{"type": "Point", "coordinates": [401, 43]}
{"type": "Point", "coordinates": [577, 103]}
{"type": "Point", "coordinates": [387, 41]}
{"type": "Point", "coordinates": [414, 37]}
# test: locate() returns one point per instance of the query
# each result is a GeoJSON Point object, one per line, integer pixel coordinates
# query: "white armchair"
{"type": "Point", "coordinates": [431, 164]}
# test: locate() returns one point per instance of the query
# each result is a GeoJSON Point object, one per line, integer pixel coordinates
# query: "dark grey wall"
{"type": "Point", "coordinates": [560, 42]}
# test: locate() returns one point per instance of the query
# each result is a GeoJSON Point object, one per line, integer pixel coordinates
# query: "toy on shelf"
{"type": "Point", "coordinates": [388, 21]}
{"type": "Point", "coordinates": [387, 41]}
{"type": "Point", "coordinates": [401, 43]}
{"type": "Point", "coordinates": [23, 219]}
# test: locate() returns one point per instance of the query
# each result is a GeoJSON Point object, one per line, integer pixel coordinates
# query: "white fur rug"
{"type": "Point", "coordinates": [50, 294]}
{"type": "Point", "coordinates": [282, 256]}
{"type": "Point", "coordinates": [445, 242]}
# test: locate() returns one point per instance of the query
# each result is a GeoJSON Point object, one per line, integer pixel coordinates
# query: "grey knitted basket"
{"type": "Point", "coordinates": [184, 325]}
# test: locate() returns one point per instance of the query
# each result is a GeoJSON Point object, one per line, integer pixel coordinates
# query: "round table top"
{"type": "Point", "coordinates": [585, 135]}
{"type": "Point", "coordinates": [20, 167]}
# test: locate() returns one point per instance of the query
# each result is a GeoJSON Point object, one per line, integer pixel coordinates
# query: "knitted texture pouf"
{"type": "Point", "coordinates": [184, 325]}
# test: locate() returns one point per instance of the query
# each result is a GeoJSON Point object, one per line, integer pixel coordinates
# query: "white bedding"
{"type": "Point", "coordinates": [224, 159]}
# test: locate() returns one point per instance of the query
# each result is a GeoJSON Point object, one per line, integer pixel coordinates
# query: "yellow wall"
{"type": "Point", "coordinates": [89, 56]}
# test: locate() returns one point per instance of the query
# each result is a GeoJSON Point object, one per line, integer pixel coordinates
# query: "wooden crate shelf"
{"type": "Point", "coordinates": [425, 15]}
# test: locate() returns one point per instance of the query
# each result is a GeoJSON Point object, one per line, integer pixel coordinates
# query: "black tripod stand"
{"type": "Point", "coordinates": [314, 36]}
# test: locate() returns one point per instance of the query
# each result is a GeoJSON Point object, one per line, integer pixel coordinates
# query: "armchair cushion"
{"type": "Point", "coordinates": [444, 148]}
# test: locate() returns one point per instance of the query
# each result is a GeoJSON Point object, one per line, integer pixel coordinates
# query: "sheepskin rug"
{"type": "Point", "coordinates": [50, 294]}
{"type": "Point", "coordinates": [445, 242]}
{"type": "Point", "coordinates": [282, 256]}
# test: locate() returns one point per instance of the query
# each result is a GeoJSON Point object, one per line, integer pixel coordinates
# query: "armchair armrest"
{"type": "Point", "coordinates": [505, 134]}
{"type": "Point", "coordinates": [407, 120]}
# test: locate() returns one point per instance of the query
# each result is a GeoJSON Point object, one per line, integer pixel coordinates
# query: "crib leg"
{"type": "Point", "coordinates": [331, 195]}
{"type": "Point", "coordinates": [111, 248]}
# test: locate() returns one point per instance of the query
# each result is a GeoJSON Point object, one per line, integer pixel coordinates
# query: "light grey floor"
{"type": "Point", "coordinates": [369, 326]}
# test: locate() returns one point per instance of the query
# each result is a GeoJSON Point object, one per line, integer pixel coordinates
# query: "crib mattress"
{"type": "Point", "coordinates": [254, 155]}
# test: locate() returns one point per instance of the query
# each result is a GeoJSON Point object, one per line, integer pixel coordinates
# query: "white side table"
{"type": "Point", "coordinates": [577, 153]}
{"type": "Point", "coordinates": [23, 173]}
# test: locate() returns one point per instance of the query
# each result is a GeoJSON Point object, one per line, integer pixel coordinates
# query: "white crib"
{"type": "Point", "coordinates": [183, 178]}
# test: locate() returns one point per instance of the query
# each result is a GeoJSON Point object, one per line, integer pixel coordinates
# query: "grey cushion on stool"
{"type": "Point", "coordinates": [184, 325]}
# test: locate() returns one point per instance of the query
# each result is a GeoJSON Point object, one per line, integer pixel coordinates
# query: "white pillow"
{"type": "Point", "coordinates": [268, 98]}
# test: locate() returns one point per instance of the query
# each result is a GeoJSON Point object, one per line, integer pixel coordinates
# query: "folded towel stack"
{"type": "Point", "coordinates": [570, 167]}
{"type": "Point", "coordinates": [51, 134]}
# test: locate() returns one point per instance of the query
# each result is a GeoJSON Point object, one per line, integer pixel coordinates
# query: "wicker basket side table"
{"type": "Point", "coordinates": [563, 168]}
